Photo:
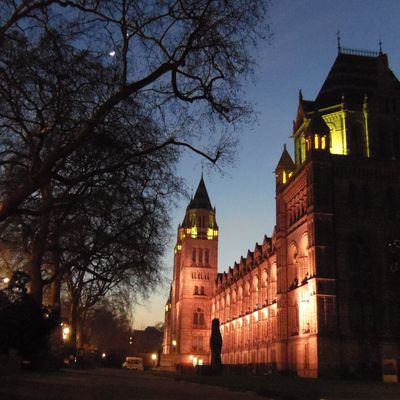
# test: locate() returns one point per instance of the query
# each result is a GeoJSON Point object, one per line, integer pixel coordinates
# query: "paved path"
{"type": "Point", "coordinates": [108, 384]}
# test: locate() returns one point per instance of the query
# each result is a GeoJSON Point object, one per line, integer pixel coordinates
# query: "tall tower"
{"type": "Point", "coordinates": [188, 310]}
{"type": "Point", "coordinates": [337, 232]}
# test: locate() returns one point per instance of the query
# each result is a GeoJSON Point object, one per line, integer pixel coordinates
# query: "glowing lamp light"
{"type": "Point", "coordinates": [154, 356]}
{"type": "Point", "coordinates": [103, 355]}
{"type": "Point", "coordinates": [6, 280]}
{"type": "Point", "coordinates": [174, 343]}
{"type": "Point", "coordinates": [65, 332]}
{"type": "Point", "coordinates": [111, 53]}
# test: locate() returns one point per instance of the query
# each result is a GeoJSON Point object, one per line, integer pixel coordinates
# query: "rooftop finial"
{"type": "Point", "coordinates": [380, 46]}
{"type": "Point", "coordinates": [339, 48]}
{"type": "Point", "coordinates": [284, 146]}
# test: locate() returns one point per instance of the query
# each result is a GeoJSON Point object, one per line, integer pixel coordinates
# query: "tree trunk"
{"type": "Point", "coordinates": [34, 268]}
{"type": "Point", "coordinates": [38, 249]}
{"type": "Point", "coordinates": [55, 300]}
{"type": "Point", "coordinates": [74, 322]}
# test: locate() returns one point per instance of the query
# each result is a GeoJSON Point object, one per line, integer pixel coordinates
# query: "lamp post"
{"type": "Point", "coordinates": [154, 359]}
{"type": "Point", "coordinates": [174, 345]}
{"type": "Point", "coordinates": [4, 282]}
{"type": "Point", "coordinates": [66, 331]}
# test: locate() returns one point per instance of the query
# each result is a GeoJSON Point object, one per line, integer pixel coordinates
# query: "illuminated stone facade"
{"type": "Point", "coordinates": [320, 297]}
{"type": "Point", "coordinates": [187, 327]}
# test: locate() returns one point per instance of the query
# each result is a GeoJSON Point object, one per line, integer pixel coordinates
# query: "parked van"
{"type": "Point", "coordinates": [135, 363]}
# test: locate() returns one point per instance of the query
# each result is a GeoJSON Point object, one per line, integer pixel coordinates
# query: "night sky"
{"type": "Point", "coordinates": [300, 55]}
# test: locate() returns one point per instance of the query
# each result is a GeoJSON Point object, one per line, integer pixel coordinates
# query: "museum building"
{"type": "Point", "coordinates": [320, 297]}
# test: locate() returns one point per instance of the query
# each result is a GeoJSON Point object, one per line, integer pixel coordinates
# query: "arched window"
{"type": "Point", "coordinates": [198, 317]}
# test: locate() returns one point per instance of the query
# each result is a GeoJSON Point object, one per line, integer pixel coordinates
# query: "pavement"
{"type": "Point", "coordinates": [118, 384]}
{"type": "Point", "coordinates": [107, 384]}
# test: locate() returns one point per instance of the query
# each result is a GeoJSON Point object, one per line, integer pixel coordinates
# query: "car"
{"type": "Point", "coordinates": [133, 363]}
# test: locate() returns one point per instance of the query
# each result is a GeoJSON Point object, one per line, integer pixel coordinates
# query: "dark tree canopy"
{"type": "Point", "coordinates": [98, 99]}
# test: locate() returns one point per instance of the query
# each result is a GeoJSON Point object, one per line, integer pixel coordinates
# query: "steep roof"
{"type": "Point", "coordinates": [317, 125]}
{"type": "Point", "coordinates": [200, 199]}
{"type": "Point", "coordinates": [285, 161]}
{"type": "Point", "coordinates": [354, 76]}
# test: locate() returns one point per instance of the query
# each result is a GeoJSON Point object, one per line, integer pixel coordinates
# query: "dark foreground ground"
{"type": "Point", "coordinates": [293, 388]}
{"type": "Point", "coordinates": [110, 384]}
{"type": "Point", "coordinates": [107, 384]}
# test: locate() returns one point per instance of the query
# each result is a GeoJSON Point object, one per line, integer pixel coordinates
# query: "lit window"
{"type": "Point", "coordinates": [308, 144]}
{"type": "Point", "coordinates": [198, 317]}
{"type": "Point", "coordinates": [197, 344]}
{"type": "Point", "coordinates": [323, 142]}
{"type": "Point", "coordinates": [193, 232]}
{"type": "Point", "coordinates": [209, 233]}
{"type": "Point", "coordinates": [316, 141]}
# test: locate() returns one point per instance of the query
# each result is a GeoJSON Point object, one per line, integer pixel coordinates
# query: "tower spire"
{"type": "Point", "coordinates": [200, 198]}
{"type": "Point", "coordinates": [338, 41]}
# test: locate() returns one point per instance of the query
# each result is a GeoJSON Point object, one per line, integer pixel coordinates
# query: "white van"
{"type": "Point", "coordinates": [135, 363]}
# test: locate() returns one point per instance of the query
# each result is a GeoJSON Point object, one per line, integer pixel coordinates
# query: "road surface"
{"type": "Point", "coordinates": [107, 384]}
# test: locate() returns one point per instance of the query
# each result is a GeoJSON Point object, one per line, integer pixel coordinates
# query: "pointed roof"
{"type": "Point", "coordinates": [200, 199]}
{"type": "Point", "coordinates": [285, 162]}
{"type": "Point", "coordinates": [303, 108]}
{"type": "Point", "coordinates": [317, 125]}
{"type": "Point", "coordinates": [355, 75]}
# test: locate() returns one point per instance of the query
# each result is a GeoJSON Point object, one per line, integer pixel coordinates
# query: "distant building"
{"type": "Point", "coordinates": [319, 297]}
{"type": "Point", "coordinates": [145, 341]}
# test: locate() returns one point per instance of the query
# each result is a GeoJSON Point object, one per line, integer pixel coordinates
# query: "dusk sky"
{"type": "Point", "coordinates": [300, 55]}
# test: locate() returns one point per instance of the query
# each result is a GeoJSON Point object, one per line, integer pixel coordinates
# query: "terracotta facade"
{"type": "Point", "coordinates": [319, 297]}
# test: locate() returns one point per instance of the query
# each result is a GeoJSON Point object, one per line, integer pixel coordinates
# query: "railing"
{"type": "Point", "coordinates": [359, 52]}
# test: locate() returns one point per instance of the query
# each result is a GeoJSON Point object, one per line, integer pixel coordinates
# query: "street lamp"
{"type": "Point", "coordinates": [4, 282]}
{"type": "Point", "coordinates": [154, 358]}
{"type": "Point", "coordinates": [174, 345]}
{"type": "Point", "coordinates": [65, 333]}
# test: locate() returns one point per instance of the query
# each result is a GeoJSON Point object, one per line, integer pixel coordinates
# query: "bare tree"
{"type": "Point", "coordinates": [163, 55]}
{"type": "Point", "coordinates": [97, 101]}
